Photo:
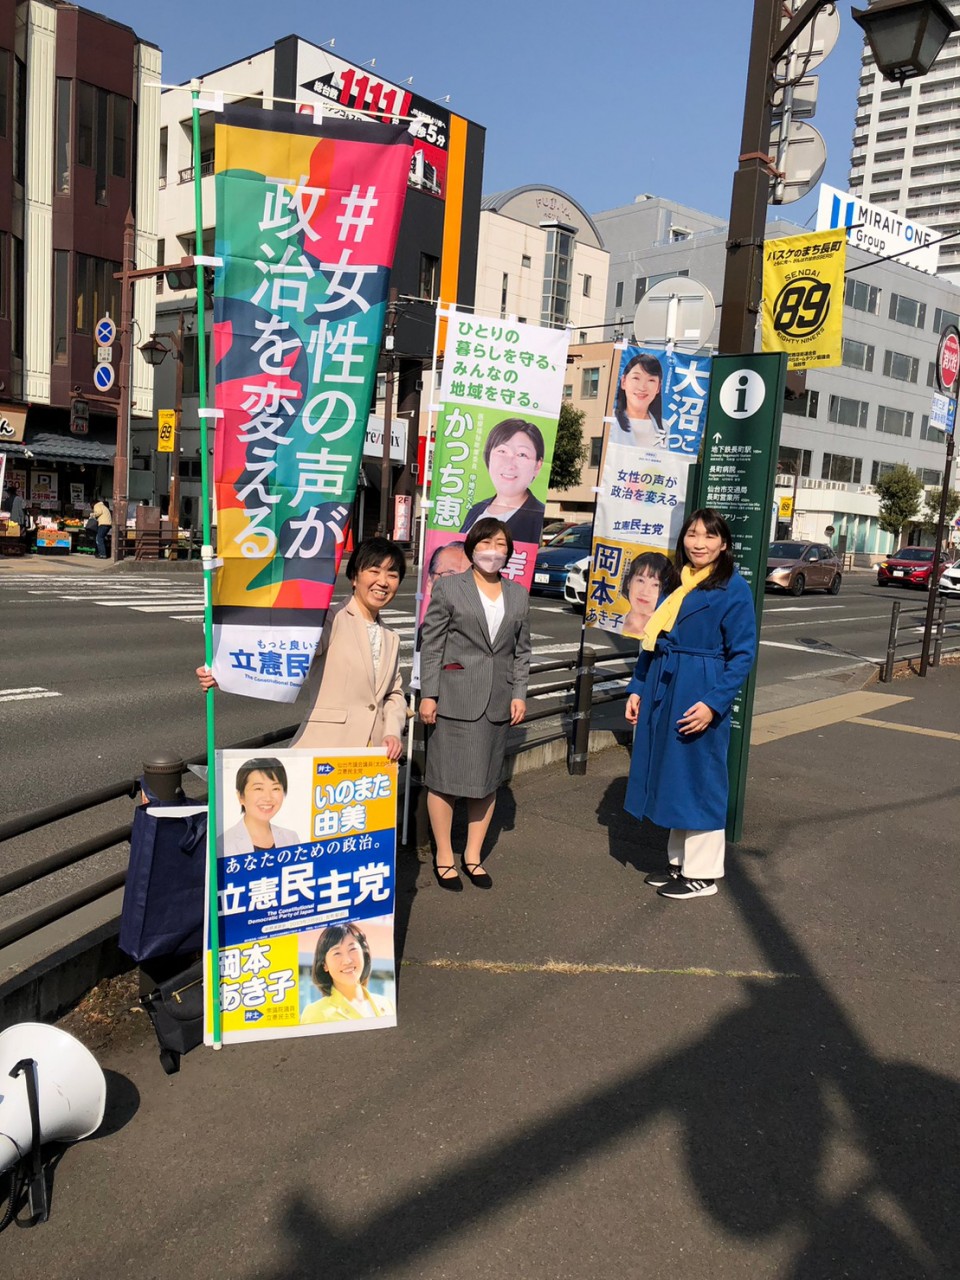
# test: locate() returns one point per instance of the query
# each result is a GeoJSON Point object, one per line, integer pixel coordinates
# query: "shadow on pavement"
{"type": "Point", "coordinates": [635, 844]}
{"type": "Point", "coordinates": [123, 1103]}
{"type": "Point", "coordinates": [789, 1126]}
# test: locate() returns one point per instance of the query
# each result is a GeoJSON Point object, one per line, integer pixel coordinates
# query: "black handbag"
{"type": "Point", "coordinates": [91, 525]}
{"type": "Point", "coordinates": [176, 1011]}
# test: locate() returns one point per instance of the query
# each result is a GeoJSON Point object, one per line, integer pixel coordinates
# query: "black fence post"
{"type": "Point", "coordinates": [941, 627]}
{"type": "Point", "coordinates": [886, 673]}
{"type": "Point", "coordinates": [579, 746]}
{"type": "Point", "coordinates": [162, 774]}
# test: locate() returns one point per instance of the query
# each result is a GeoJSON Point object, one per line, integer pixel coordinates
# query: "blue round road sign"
{"type": "Point", "coordinates": [103, 376]}
{"type": "Point", "coordinates": [106, 331]}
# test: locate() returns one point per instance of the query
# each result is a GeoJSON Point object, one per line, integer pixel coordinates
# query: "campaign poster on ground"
{"type": "Point", "coordinates": [650, 444]}
{"type": "Point", "coordinates": [306, 874]}
{"type": "Point", "coordinates": [499, 403]}
{"type": "Point", "coordinates": [307, 221]}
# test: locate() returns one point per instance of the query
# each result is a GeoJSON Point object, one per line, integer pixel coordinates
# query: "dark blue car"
{"type": "Point", "coordinates": [555, 561]}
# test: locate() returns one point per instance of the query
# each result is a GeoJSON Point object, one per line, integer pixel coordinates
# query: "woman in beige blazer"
{"type": "Point", "coordinates": [354, 687]}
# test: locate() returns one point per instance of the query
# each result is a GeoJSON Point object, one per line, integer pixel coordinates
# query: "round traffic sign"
{"type": "Point", "coordinates": [103, 376]}
{"type": "Point", "coordinates": [948, 359]}
{"type": "Point", "coordinates": [106, 331]}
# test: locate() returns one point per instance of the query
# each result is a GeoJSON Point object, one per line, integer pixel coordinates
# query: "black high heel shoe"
{"type": "Point", "coordinates": [475, 873]}
{"type": "Point", "coordinates": [448, 878]}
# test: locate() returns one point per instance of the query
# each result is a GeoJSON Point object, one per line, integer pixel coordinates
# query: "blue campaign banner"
{"type": "Point", "coordinates": [278, 891]}
{"type": "Point", "coordinates": [661, 400]}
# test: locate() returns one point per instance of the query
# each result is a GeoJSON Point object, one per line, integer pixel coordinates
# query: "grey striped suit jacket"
{"type": "Point", "coordinates": [479, 676]}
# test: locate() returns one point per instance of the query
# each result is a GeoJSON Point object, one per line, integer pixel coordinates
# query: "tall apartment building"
{"type": "Point", "coordinates": [79, 111]}
{"type": "Point", "coordinates": [906, 145]}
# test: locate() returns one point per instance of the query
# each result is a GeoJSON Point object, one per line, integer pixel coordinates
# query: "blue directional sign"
{"type": "Point", "coordinates": [943, 412]}
{"type": "Point", "coordinates": [103, 376]}
{"type": "Point", "coordinates": [106, 331]}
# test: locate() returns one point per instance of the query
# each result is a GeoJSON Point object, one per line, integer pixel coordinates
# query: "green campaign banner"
{"type": "Point", "coordinates": [500, 396]}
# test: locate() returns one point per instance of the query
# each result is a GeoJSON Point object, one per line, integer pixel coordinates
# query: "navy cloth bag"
{"type": "Point", "coordinates": [166, 881]}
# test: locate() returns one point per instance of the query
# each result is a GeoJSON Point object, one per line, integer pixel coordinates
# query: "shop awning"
{"type": "Point", "coordinates": [50, 447]}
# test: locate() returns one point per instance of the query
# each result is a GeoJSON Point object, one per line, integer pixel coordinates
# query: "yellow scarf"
{"type": "Point", "coordinates": [665, 615]}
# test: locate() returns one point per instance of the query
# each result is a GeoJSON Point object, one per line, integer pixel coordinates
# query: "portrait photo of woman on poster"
{"type": "Point", "coordinates": [649, 576]}
{"type": "Point", "coordinates": [638, 407]}
{"type": "Point", "coordinates": [514, 452]}
{"type": "Point", "coordinates": [342, 964]}
{"type": "Point", "coordinates": [261, 790]}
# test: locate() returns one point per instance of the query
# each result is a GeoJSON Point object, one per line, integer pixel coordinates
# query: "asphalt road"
{"type": "Point", "coordinates": [98, 666]}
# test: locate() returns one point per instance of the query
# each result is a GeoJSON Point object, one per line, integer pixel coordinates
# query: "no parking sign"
{"type": "Point", "coordinates": [103, 377]}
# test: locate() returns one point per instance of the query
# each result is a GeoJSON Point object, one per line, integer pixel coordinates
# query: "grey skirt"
{"type": "Point", "coordinates": [465, 757]}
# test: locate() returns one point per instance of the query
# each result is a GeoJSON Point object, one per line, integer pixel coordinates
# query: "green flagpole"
{"type": "Point", "coordinates": [208, 568]}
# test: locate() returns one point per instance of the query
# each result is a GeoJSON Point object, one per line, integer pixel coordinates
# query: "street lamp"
{"type": "Point", "coordinates": [155, 351]}
{"type": "Point", "coordinates": [905, 36]}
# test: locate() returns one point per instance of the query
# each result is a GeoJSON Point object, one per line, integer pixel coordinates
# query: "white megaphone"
{"type": "Point", "coordinates": [70, 1090]}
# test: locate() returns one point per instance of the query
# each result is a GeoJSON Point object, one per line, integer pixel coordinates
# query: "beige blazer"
{"type": "Point", "coordinates": [349, 705]}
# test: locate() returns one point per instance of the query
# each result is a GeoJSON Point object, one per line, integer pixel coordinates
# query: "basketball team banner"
{"type": "Point", "coordinates": [307, 221]}
{"type": "Point", "coordinates": [500, 396]}
{"type": "Point", "coordinates": [650, 444]}
{"type": "Point", "coordinates": [802, 309]}
{"type": "Point", "coordinates": [306, 874]}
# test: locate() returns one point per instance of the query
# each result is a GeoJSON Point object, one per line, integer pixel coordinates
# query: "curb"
{"type": "Point", "coordinates": [49, 987]}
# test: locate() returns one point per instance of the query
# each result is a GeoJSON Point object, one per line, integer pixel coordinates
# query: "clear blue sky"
{"type": "Point", "coordinates": [600, 99]}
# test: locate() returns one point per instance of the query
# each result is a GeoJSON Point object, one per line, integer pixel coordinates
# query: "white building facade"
{"type": "Point", "coordinates": [541, 259]}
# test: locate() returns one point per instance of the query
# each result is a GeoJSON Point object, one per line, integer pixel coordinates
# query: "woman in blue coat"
{"type": "Point", "coordinates": [696, 651]}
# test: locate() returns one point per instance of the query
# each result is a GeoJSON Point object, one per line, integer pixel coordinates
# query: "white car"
{"type": "Point", "coordinates": [949, 584]}
{"type": "Point", "coordinates": [575, 588]}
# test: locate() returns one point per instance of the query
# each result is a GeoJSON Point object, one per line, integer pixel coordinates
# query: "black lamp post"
{"type": "Point", "coordinates": [905, 37]}
{"type": "Point", "coordinates": [155, 351]}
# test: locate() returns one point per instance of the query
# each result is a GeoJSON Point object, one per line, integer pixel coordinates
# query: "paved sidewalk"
{"type": "Point", "coordinates": [589, 1080]}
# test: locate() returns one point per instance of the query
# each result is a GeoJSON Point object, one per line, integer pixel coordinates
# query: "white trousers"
{"type": "Point", "coordinates": [698, 854]}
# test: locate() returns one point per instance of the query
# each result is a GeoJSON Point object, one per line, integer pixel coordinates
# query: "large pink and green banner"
{"type": "Point", "coordinates": [307, 221]}
{"type": "Point", "coordinates": [500, 396]}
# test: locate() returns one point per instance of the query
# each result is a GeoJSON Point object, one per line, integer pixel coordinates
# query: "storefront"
{"type": "Point", "coordinates": [58, 477]}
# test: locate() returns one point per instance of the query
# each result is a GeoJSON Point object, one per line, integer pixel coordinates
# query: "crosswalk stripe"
{"type": "Point", "coordinates": [156, 608]}
{"type": "Point", "coordinates": [28, 697]}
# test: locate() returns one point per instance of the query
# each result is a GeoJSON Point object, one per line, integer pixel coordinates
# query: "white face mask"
{"type": "Point", "coordinates": [489, 561]}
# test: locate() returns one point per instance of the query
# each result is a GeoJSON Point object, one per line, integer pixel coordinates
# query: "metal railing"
{"type": "Point", "coordinates": [186, 175]}
{"type": "Point", "coordinates": [578, 706]}
{"type": "Point", "coordinates": [943, 621]}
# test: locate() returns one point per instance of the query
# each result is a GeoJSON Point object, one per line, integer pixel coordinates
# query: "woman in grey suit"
{"type": "Point", "coordinates": [474, 664]}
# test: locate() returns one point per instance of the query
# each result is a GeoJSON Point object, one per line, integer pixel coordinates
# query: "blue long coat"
{"type": "Point", "coordinates": [680, 780]}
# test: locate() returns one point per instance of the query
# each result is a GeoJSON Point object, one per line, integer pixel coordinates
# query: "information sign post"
{"type": "Point", "coordinates": [737, 479]}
